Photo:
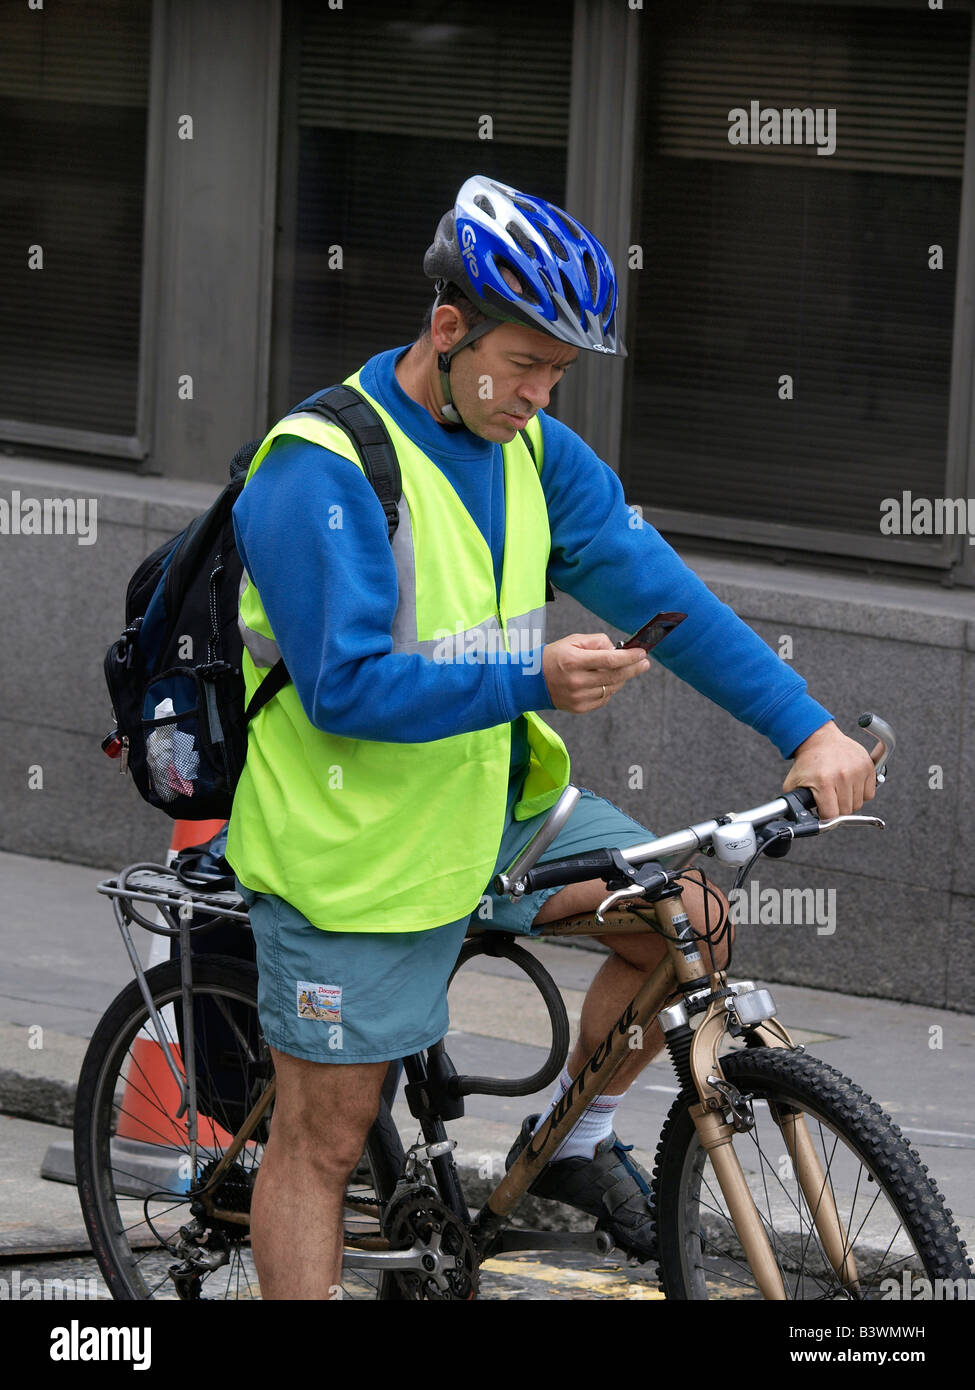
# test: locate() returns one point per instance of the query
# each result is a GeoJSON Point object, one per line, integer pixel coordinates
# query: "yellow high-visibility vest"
{"type": "Point", "coordinates": [397, 837]}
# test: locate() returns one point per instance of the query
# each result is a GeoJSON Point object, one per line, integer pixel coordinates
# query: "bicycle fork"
{"type": "Point", "coordinates": [695, 1057]}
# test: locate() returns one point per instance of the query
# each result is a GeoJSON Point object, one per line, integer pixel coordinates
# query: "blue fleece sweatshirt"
{"type": "Point", "coordinates": [328, 583]}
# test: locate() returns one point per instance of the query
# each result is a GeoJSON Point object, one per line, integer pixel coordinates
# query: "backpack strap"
{"type": "Point", "coordinates": [276, 679]}
{"type": "Point", "coordinates": [343, 406]}
{"type": "Point", "coordinates": [241, 461]}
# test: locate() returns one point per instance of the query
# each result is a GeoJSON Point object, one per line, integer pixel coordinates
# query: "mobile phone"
{"type": "Point", "coordinates": [654, 631]}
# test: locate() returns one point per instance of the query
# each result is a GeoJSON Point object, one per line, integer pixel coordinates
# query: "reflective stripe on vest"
{"type": "Point", "coordinates": [367, 836]}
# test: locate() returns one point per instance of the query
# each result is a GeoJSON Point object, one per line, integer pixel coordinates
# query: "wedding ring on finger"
{"type": "Point", "coordinates": [604, 692]}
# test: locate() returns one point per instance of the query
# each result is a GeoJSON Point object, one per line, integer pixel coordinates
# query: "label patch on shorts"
{"type": "Point", "coordinates": [321, 1002]}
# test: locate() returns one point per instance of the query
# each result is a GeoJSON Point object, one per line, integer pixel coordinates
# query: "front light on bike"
{"type": "Point", "coordinates": [754, 1006]}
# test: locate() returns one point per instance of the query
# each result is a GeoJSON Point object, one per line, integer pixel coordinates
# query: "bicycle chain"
{"type": "Point", "coordinates": [233, 1194]}
{"type": "Point", "coordinates": [417, 1216]}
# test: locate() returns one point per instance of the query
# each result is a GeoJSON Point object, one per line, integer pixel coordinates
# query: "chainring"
{"type": "Point", "coordinates": [417, 1216]}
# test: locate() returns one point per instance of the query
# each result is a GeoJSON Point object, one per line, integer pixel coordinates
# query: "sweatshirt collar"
{"type": "Point", "coordinates": [379, 378]}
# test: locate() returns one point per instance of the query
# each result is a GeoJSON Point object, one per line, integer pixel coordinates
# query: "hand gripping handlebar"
{"type": "Point", "coordinates": [523, 877]}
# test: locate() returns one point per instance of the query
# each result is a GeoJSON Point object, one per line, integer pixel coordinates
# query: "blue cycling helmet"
{"type": "Point", "coordinates": [568, 284]}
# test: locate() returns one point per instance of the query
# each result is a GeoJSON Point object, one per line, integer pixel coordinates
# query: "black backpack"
{"type": "Point", "coordinates": [174, 675]}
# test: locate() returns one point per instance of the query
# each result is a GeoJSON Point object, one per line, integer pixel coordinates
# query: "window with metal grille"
{"type": "Point", "coordinates": [73, 105]}
{"type": "Point", "coordinates": [388, 109]}
{"type": "Point", "coordinates": [792, 346]}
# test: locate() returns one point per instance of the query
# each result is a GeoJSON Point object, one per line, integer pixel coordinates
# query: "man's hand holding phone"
{"type": "Point", "coordinates": [584, 671]}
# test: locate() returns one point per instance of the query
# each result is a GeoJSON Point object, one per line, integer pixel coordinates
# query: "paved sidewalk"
{"type": "Point", "coordinates": [64, 962]}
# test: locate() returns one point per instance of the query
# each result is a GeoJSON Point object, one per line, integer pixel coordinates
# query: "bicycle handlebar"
{"type": "Point", "coordinates": [523, 877]}
{"type": "Point", "coordinates": [579, 867]}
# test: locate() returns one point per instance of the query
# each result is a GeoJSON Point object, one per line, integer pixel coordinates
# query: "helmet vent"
{"type": "Point", "coordinates": [524, 291]}
{"type": "Point", "coordinates": [484, 203]}
{"type": "Point", "coordinates": [571, 227]}
{"type": "Point", "coordinates": [571, 297]}
{"type": "Point", "coordinates": [554, 245]}
{"type": "Point", "coordinates": [592, 274]}
{"type": "Point", "coordinates": [521, 240]}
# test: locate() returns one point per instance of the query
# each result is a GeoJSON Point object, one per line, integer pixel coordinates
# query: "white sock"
{"type": "Point", "coordinates": [595, 1126]}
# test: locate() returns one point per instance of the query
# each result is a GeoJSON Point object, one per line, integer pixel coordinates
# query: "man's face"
{"type": "Point", "coordinates": [505, 378]}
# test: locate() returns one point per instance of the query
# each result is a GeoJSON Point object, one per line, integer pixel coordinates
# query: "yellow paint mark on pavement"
{"type": "Point", "coordinates": [596, 1281]}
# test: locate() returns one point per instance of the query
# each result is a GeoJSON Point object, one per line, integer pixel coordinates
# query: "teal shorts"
{"type": "Point", "coordinates": [374, 997]}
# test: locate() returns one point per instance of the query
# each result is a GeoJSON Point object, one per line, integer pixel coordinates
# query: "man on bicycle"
{"type": "Point", "coordinates": [408, 761]}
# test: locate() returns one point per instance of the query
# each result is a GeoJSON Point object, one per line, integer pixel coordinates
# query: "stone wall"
{"type": "Point", "coordinates": [904, 897]}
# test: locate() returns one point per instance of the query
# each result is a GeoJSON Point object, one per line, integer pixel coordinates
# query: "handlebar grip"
{"type": "Point", "coordinates": [881, 731]}
{"type": "Point", "coordinates": [577, 868]}
{"type": "Point", "coordinates": [807, 797]}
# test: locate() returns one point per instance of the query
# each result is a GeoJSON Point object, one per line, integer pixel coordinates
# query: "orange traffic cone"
{"type": "Point", "coordinates": [192, 832]}
{"type": "Point", "coordinates": [151, 1099]}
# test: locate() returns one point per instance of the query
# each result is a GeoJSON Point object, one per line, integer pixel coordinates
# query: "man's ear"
{"type": "Point", "coordinates": [447, 327]}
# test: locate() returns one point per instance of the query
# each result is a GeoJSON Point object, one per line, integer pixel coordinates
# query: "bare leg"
{"type": "Point", "coordinates": [623, 973]}
{"type": "Point", "coordinates": [322, 1115]}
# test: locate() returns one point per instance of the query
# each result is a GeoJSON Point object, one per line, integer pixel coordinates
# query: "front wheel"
{"type": "Point", "coordinates": [891, 1217]}
{"type": "Point", "coordinates": [136, 1172]}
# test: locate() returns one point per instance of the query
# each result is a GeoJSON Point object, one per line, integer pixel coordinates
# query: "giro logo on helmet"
{"type": "Point", "coordinates": [468, 239]}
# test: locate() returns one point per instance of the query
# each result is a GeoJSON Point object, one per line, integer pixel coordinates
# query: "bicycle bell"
{"type": "Point", "coordinates": [734, 843]}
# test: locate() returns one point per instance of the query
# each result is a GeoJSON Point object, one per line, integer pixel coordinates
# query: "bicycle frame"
{"type": "Point", "coordinates": [677, 974]}
{"type": "Point", "coordinates": [680, 966]}
{"type": "Point", "coordinates": [435, 1094]}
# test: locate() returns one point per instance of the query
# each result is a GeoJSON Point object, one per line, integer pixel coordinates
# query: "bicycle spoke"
{"type": "Point", "coordinates": [245, 1051]}
{"type": "Point", "coordinates": [827, 1208]}
{"type": "Point", "coordinates": [770, 1232]}
{"type": "Point", "coordinates": [138, 1211]}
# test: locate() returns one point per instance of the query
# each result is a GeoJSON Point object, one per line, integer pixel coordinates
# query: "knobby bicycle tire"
{"type": "Point", "coordinates": [132, 1156]}
{"type": "Point", "coordinates": [893, 1217]}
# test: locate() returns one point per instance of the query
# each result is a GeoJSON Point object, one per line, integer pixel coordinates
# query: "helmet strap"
{"type": "Point", "coordinates": [448, 410]}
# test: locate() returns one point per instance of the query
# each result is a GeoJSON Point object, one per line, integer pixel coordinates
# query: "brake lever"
{"type": "Point", "coordinates": [825, 825]}
{"type": "Point", "coordinates": [648, 878]}
{"type": "Point", "coordinates": [633, 891]}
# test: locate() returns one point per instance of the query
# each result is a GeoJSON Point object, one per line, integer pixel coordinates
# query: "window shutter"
{"type": "Point", "coordinates": [395, 110]}
{"type": "Point", "coordinates": [767, 262]}
{"type": "Point", "coordinates": [73, 97]}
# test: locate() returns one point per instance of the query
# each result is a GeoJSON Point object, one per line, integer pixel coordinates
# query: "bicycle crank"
{"type": "Point", "coordinates": [416, 1218]}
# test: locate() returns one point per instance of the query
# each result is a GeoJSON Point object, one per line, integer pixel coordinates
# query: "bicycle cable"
{"type": "Point", "coordinates": [175, 1199]}
{"type": "Point", "coordinates": [713, 938]}
{"type": "Point", "coordinates": [784, 834]}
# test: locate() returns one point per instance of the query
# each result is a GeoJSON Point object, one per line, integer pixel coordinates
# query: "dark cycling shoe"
{"type": "Point", "coordinates": [610, 1186]}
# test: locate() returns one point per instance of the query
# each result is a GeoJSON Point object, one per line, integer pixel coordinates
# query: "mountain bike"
{"type": "Point", "coordinates": [776, 1177]}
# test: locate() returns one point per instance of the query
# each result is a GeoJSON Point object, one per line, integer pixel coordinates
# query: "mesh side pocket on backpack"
{"type": "Point", "coordinates": [180, 757]}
